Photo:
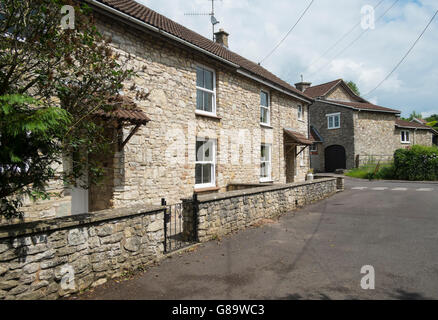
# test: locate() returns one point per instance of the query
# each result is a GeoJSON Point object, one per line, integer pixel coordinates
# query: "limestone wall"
{"type": "Point", "coordinates": [374, 134]}
{"type": "Point", "coordinates": [225, 213]}
{"type": "Point", "coordinates": [149, 173]}
{"type": "Point", "coordinates": [58, 257]}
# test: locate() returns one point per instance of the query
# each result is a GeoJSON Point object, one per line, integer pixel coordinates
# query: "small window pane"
{"type": "Point", "coordinates": [407, 135]}
{"type": "Point", "coordinates": [208, 102]}
{"type": "Point", "coordinates": [199, 100]}
{"type": "Point", "coordinates": [206, 173]}
{"type": "Point", "coordinates": [264, 99]}
{"type": "Point", "coordinates": [264, 115]}
{"type": "Point", "coordinates": [198, 173]}
{"type": "Point", "coordinates": [200, 150]}
{"type": "Point", "coordinates": [330, 120]}
{"type": "Point", "coordinates": [199, 77]}
{"type": "Point", "coordinates": [336, 121]}
{"type": "Point", "coordinates": [263, 170]}
{"type": "Point", "coordinates": [208, 80]}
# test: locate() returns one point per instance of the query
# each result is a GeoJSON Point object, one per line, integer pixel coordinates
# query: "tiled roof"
{"type": "Point", "coordinates": [298, 137]}
{"type": "Point", "coordinates": [321, 89]}
{"type": "Point", "coordinates": [157, 20]}
{"type": "Point", "coordinates": [125, 110]}
{"type": "Point", "coordinates": [408, 124]}
{"type": "Point", "coordinates": [363, 106]}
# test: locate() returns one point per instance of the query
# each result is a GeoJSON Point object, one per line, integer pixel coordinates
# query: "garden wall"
{"type": "Point", "coordinates": [223, 213]}
{"type": "Point", "coordinates": [57, 257]}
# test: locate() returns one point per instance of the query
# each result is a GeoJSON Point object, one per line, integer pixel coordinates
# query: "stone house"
{"type": "Point", "coordinates": [349, 131]}
{"type": "Point", "coordinates": [213, 120]}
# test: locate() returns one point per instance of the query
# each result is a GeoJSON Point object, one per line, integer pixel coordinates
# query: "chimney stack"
{"type": "Point", "coordinates": [222, 37]}
{"type": "Point", "coordinates": [302, 86]}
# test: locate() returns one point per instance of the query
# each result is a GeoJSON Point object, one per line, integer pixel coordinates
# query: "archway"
{"type": "Point", "coordinates": [335, 158]}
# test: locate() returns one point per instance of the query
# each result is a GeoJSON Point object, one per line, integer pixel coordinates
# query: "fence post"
{"type": "Point", "coordinates": [163, 203]}
{"type": "Point", "coordinates": [195, 204]}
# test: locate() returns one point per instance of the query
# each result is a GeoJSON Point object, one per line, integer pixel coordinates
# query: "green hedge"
{"type": "Point", "coordinates": [418, 163]}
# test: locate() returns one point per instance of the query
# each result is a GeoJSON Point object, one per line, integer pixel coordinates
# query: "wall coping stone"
{"type": "Point", "coordinates": [257, 190]}
{"type": "Point", "coordinates": [28, 228]}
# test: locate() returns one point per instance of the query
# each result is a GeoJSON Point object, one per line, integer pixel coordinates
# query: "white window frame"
{"type": "Point", "coordinates": [333, 116]}
{"type": "Point", "coordinates": [300, 112]}
{"type": "Point", "coordinates": [269, 177]}
{"type": "Point", "coordinates": [314, 147]}
{"type": "Point", "coordinates": [409, 136]}
{"type": "Point", "coordinates": [213, 162]}
{"type": "Point", "coordinates": [268, 115]}
{"type": "Point", "coordinates": [213, 92]}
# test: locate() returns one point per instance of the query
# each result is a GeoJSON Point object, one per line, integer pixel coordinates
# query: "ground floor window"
{"type": "Point", "coordinates": [314, 148]}
{"type": "Point", "coordinates": [265, 162]}
{"type": "Point", "coordinates": [205, 171]}
{"type": "Point", "coordinates": [405, 136]}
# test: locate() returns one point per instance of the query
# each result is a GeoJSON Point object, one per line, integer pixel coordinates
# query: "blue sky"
{"type": "Point", "coordinates": [256, 26]}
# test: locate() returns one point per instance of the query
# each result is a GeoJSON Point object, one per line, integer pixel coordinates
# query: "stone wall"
{"type": "Point", "coordinates": [421, 137]}
{"type": "Point", "coordinates": [340, 94]}
{"type": "Point", "coordinates": [374, 135]}
{"type": "Point", "coordinates": [170, 77]}
{"type": "Point", "coordinates": [222, 214]}
{"type": "Point", "coordinates": [58, 257]}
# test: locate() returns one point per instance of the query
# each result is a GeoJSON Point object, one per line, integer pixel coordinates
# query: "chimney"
{"type": "Point", "coordinates": [222, 37]}
{"type": "Point", "coordinates": [302, 86]}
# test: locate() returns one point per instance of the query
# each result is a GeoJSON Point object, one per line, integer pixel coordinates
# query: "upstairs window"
{"type": "Point", "coordinates": [205, 170]}
{"type": "Point", "coordinates": [334, 120]}
{"type": "Point", "coordinates": [405, 137]}
{"type": "Point", "coordinates": [205, 90]}
{"type": "Point", "coordinates": [264, 108]}
{"type": "Point", "coordinates": [265, 162]}
{"type": "Point", "coordinates": [300, 112]}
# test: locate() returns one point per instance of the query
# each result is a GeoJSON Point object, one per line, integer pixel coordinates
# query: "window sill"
{"type": "Point", "coordinates": [206, 189]}
{"type": "Point", "coordinates": [406, 142]}
{"type": "Point", "coordinates": [207, 115]}
{"type": "Point", "coordinates": [334, 128]}
{"type": "Point", "coordinates": [266, 125]}
{"type": "Point", "coordinates": [266, 181]}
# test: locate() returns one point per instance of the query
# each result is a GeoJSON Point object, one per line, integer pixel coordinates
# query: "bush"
{"type": "Point", "coordinates": [419, 163]}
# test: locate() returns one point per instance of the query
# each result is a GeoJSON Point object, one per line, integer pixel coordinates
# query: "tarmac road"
{"type": "Point", "coordinates": [313, 253]}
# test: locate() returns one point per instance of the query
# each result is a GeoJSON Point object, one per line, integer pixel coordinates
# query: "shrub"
{"type": "Point", "coordinates": [416, 163]}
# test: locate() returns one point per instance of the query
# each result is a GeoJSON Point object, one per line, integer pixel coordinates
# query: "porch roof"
{"type": "Point", "coordinates": [125, 110]}
{"type": "Point", "coordinates": [297, 137]}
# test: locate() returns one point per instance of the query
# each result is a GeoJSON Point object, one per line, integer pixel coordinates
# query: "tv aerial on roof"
{"type": "Point", "coordinates": [213, 19]}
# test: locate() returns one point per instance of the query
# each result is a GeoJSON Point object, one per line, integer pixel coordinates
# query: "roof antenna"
{"type": "Point", "coordinates": [213, 19]}
{"type": "Point", "coordinates": [302, 78]}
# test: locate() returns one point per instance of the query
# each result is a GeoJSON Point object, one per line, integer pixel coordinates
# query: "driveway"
{"type": "Point", "coordinates": [313, 253]}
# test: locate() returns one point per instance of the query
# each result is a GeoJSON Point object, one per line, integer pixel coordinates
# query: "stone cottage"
{"type": "Point", "coordinates": [349, 131]}
{"type": "Point", "coordinates": [213, 119]}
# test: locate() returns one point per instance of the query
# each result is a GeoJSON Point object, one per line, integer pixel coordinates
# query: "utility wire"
{"type": "Point", "coordinates": [404, 57]}
{"type": "Point", "coordinates": [339, 40]}
{"type": "Point", "coordinates": [287, 34]}
{"type": "Point", "coordinates": [355, 39]}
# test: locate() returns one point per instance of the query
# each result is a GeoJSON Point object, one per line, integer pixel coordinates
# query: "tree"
{"type": "Point", "coordinates": [52, 82]}
{"type": "Point", "coordinates": [353, 87]}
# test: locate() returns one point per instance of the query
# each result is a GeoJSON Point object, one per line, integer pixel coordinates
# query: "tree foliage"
{"type": "Point", "coordinates": [52, 81]}
{"type": "Point", "coordinates": [353, 87]}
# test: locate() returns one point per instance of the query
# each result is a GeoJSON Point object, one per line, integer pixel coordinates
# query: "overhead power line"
{"type": "Point", "coordinates": [339, 40]}
{"type": "Point", "coordinates": [355, 39]}
{"type": "Point", "coordinates": [405, 56]}
{"type": "Point", "coordinates": [287, 34]}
